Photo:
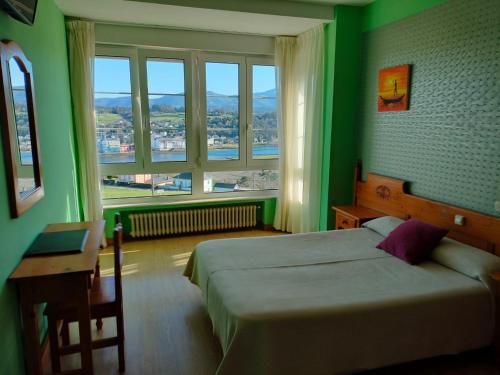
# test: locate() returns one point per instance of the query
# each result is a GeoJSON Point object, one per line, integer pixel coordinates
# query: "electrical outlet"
{"type": "Point", "coordinates": [459, 220]}
{"type": "Point", "coordinates": [497, 206]}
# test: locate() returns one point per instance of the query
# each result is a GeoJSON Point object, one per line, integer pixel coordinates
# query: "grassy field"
{"type": "Point", "coordinates": [174, 117]}
{"type": "Point", "coordinates": [112, 192]}
{"type": "Point", "coordinates": [107, 118]}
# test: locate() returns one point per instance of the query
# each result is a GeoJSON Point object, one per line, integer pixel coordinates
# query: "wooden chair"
{"type": "Point", "coordinates": [105, 301]}
{"type": "Point", "coordinates": [118, 222]}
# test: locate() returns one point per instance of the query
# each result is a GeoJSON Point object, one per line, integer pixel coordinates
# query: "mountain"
{"type": "Point", "coordinates": [175, 101]}
{"type": "Point", "coordinates": [263, 101]}
{"type": "Point", "coordinates": [121, 101]}
{"type": "Point", "coordinates": [265, 94]}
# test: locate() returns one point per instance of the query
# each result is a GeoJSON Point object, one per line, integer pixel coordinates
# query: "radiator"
{"type": "Point", "coordinates": [160, 223]}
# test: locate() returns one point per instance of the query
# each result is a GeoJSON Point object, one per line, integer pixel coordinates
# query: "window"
{"type": "Point", "coordinates": [113, 105]}
{"type": "Point", "coordinates": [264, 121]}
{"type": "Point", "coordinates": [222, 110]}
{"type": "Point", "coordinates": [145, 185]}
{"type": "Point", "coordinates": [240, 181]}
{"type": "Point", "coordinates": [167, 109]}
{"type": "Point", "coordinates": [176, 124]}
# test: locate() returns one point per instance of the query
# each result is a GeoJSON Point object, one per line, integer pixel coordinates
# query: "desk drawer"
{"type": "Point", "coordinates": [345, 222]}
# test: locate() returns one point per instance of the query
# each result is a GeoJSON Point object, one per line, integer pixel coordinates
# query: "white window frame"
{"type": "Point", "coordinates": [136, 167]}
{"type": "Point", "coordinates": [171, 166]}
{"type": "Point", "coordinates": [196, 130]}
{"type": "Point", "coordinates": [221, 165]}
{"type": "Point", "coordinates": [271, 163]}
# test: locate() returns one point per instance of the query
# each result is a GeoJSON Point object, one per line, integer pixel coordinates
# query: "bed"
{"type": "Point", "coordinates": [331, 303]}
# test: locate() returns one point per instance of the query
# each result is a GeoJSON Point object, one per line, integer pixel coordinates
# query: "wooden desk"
{"type": "Point", "coordinates": [353, 216]}
{"type": "Point", "coordinates": [58, 278]}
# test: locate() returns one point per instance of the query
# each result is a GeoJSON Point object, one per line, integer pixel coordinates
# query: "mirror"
{"type": "Point", "coordinates": [19, 129]}
{"type": "Point", "coordinates": [24, 149]}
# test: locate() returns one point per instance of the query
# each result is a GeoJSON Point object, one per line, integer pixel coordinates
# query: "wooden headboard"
{"type": "Point", "coordinates": [389, 196]}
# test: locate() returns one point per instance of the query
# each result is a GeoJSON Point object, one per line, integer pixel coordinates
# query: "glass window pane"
{"type": "Point", "coordinates": [165, 76]}
{"type": "Point", "coordinates": [23, 148]}
{"type": "Point", "coordinates": [112, 74]}
{"type": "Point", "coordinates": [167, 113]}
{"type": "Point", "coordinates": [113, 107]}
{"type": "Point", "coordinates": [19, 100]}
{"type": "Point", "coordinates": [223, 127]}
{"type": "Point", "coordinates": [264, 123]}
{"type": "Point", "coordinates": [145, 185]}
{"type": "Point", "coordinates": [224, 182]}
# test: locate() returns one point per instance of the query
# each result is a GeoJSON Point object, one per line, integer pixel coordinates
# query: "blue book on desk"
{"type": "Point", "coordinates": [56, 243]}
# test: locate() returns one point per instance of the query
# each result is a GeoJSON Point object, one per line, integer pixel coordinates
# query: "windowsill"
{"type": "Point", "coordinates": [161, 201]}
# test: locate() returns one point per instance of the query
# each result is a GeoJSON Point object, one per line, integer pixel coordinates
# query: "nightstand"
{"type": "Point", "coordinates": [353, 216]}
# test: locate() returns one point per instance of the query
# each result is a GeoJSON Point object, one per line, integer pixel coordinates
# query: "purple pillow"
{"type": "Point", "coordinates": [412, 241]}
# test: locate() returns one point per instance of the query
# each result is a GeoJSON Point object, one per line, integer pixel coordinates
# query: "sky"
{"type": "Point", "coordinates": [167, 77]}
{"type": "Point", "coordinates": [16, 75]}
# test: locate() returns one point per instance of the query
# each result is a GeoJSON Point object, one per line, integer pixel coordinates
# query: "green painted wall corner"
{"type": "Point", "coordinates": [383, 12]}
{"type": "Point", "coordinates": [45, 45]}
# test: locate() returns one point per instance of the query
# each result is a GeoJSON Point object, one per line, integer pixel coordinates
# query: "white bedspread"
{"type": "Point", "coordinates": [330, 302]}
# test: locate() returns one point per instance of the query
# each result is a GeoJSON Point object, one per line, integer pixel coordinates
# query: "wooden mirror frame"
{"type": "Point", "coordinates": [18, 205]}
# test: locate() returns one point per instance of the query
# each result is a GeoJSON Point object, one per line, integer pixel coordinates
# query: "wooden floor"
{"type": "Point", "coordinates": [168, 331]}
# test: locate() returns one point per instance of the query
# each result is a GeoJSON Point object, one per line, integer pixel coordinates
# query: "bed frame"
{"type": "Point", "coordinates": [389, 196]}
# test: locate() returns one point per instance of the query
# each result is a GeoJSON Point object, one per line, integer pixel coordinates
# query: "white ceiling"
{"type": "Point", "coordinates": [166, 15]}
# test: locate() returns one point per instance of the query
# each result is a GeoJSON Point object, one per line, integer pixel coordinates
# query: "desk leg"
{"type": "Point", "coordinates": [30, 331]}
{"type": "Point", "coordinates": [97, 273]}
{"type": "Point", "coordinates": [84, 328]}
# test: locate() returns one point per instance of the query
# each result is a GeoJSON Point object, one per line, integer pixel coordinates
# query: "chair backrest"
{"type": "Point", "coordinates": [118, 221]}
{"type": "Point", "coordinates": [118, 256]}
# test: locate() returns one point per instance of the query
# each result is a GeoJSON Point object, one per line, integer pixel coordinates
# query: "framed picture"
{"type": "Point", "coordinates": [394, 88]}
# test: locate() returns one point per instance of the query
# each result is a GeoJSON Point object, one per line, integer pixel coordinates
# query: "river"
{"type": "Point", "coordinates": [215, 154]}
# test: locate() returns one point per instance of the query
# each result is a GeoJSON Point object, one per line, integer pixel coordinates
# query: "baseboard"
{"type": "Point", "coordinates": [268, 227]}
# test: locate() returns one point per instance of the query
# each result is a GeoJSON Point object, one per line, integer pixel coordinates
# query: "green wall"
{"type": "Point", "coordinates": [268, 207]}
{"type": "Point", "coordinates": [342, 50]}
{"type": "Point", "coordinates": [330, 38]}
{"type": "Point", "coordinates": [343, 57]}
{"type": "Point", "coordinates": [448, 143]}
{"type": "Point", "coordinates": [383, 12]}
{"type": "Point", "coordinates": [45, 46]}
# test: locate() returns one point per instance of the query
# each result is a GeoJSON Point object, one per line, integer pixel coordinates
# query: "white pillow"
{"type": "Point", "coordinates": [470, 261]}
{"type": "Point", "coordinates": [383, 225]}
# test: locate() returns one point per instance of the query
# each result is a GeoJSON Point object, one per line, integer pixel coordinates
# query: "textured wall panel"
{"type": "Point", "coordinates": [448, 143]}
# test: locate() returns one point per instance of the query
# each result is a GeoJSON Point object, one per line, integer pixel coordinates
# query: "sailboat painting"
{"type": "Point", "coordinates": [394, 88]}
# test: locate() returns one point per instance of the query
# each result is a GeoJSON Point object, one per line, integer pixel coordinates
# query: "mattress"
{"type": "Point", "coordinates": [331, 303]}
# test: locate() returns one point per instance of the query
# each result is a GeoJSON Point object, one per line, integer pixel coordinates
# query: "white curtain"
{"type": "Point", "coordinates": [300, 115]}
{"type": "Point", "coordinates": [81, 42]}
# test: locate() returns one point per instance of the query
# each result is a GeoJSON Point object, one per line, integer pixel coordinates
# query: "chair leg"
{"type": "Point", "coordinates": [55, 358]}
{"type": "Point", "coordinates": [65, 333]}
{"type": "Point", "coordinates": [121, 340]}
{"type": "Point", "coordinates": [97, 272]}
